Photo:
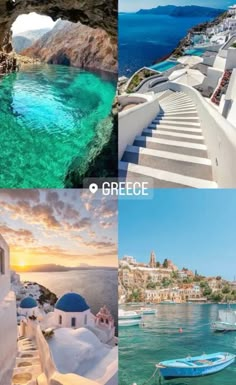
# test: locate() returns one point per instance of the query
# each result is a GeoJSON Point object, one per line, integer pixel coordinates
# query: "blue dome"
{"type": "Point", "coordinates": [72, 302]}
{"type": "Point", "coordinates": [28, 303]}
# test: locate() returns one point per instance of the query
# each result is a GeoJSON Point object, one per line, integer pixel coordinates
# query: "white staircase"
{"type": "Point", "coordinates": [171, 151]}
{"type": "Point", "coordinates": [28, 367]}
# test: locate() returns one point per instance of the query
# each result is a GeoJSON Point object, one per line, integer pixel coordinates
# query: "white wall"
{"type": "Point", "coordinates": [28, 312]}
{"type": "Point", "coordinates": [48, 366]}
{"type": "Point", "coordinates": [8, 337]}
{"type": "Point", "coordinates": [5, 278]}
{"type": "Point", "coordinates": [231, 59]}
{"type": "Point", "coordinates": [213, 77]}
{"type": "Point", "coordinates": [133, 121]}
{"type": "Point", "coordinates": [67, 316]}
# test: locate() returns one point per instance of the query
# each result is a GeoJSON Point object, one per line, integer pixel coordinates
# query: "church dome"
{"type": "Point", "coordinates": [72, 302]}
{"type": "Point", "coordinates": [28, 303]}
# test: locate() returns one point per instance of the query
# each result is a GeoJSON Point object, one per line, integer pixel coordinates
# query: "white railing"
{"type": "Point", "coordinates": [134, 120]}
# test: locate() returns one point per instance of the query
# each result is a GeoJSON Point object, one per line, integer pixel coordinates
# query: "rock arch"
{"type": "Point", "coordinates": [94, 13]}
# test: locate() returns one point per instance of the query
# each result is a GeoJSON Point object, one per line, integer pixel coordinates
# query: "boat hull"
{"type": "Point", "coordinates": [223, 327]}
{"type": "Point", "coordinates": [170, 372]}
{"type": "Point", "coordinates": [128, 323]}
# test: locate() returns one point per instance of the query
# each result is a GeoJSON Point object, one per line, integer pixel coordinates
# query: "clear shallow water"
{"type": "Point", "coordinates": [49, 114]}
{"type": "Point", "coordinates": [146, 38]}
{"type": "Point", "coordinates": [141, 348]}
{"type": "Point", "coordinates": [99, 287]}
{"type": "Point", "coordinates": [195, 51]}
{"type": "Point", "coordinates": [164, 66]}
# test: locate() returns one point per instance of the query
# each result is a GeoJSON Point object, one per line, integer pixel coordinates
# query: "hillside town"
{"type": "Point", "coordinates": [182, 112]}
{"type": "Point", "coordinates": [157, 282]}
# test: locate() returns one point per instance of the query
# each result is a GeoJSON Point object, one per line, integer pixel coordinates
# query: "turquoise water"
{"type": "Point", "coordinates": [195, 51]}
{"type": "Point", "coordinates": [49, 115]}
{"type": "Point", "coordinates": [164, 66]}
{"type": "Point", "coordinates": [141, 348]}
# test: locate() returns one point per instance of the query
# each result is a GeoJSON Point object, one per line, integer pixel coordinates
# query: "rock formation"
{"type": "Point", "coordinates": [95, 13]}
{"type": "Point", "coordinates": [77, 45]}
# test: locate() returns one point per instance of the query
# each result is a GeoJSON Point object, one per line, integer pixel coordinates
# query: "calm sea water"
{"type": "Point", "coordinates": [49, 115]}
{"type": "Point", "coordinates": [141, 348]}
{"type": "Point", "coordinates": [98, 287]}
{"type": "Point", "coordinates": [146, 38]}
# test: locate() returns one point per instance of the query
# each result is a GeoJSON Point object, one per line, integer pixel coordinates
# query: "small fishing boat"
{"type": "Point", "coordinates": [148, 310]}
{"type": "Point", "coordinates": [128, 315]}
{"type": "Point", "coordinates": [195, 366]}
{"type": "Point", "coordinates": [131, 322]}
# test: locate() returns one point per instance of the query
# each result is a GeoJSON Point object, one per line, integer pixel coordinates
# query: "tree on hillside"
{"type": "Point", "coordinates": [158, 264]}
{"type": "Point", "coordinates": [218, 278]}
{"type": "Point", "coordinates": [207, 291]}
{"type": "Point", "coordinates": [217, 296]}
{"type": "Point", "coordinates": [226, 289]}
{"type": "Point", "coordinates": [165, 264]}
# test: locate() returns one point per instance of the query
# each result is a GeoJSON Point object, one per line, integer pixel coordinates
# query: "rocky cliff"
{"type": "Point", "coordinates": [25, 39]}
{"type": "Point", "coordinates": [77, 45]}
{"type": "Point", "coordinates": [95, 13]}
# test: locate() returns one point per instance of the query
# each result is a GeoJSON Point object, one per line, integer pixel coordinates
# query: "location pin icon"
{"type": "Point", "coordinates": [93, 188]}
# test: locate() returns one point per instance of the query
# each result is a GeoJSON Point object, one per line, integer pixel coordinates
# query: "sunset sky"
{"type": "Point", "coordinates": [60, 227]}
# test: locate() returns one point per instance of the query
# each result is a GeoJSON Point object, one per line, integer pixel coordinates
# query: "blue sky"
{"type": "Point", "coordinates": [134, 5]}
{"type": "Point", "coordinates": [193, 228]}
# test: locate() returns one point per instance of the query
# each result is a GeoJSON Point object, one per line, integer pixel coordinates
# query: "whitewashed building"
{"type": "Point", "coordinates": [8, 322]}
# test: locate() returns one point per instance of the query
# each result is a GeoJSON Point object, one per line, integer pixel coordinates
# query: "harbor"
{"type": "Point", "coordinates": [183, 330]}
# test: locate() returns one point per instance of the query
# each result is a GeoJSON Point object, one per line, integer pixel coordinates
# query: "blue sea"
{"type": "Point", "coordinates": [140, 348]}
{"type": "Point", "coordinates": [145, 38]}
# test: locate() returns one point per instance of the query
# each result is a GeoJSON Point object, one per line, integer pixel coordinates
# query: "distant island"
{"type": "Point", "coordinates": [56, 268]}
{"type": "Point", "coordinates": [182, 11]}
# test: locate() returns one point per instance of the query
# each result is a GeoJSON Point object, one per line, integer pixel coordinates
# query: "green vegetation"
{"type": "Point", "coordinates": [233, 45]}
{"type": "Point", "coordinates": [139, 77]}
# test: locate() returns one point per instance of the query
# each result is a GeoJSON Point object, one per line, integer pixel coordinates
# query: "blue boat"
{"type": "Point", "coordinates": [195, 366]}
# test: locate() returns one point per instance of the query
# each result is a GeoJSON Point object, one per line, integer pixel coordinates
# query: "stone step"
{"type": "Point", "coordinates": [176, 109]}
{"type": "Point", "coordinates": [168, 161]}
{"type": "Point", "coordinates": [177, 118]}
{"type": "Point", "coordinates": [164, 94]}
{"type": "Point", "coordinates": [177, 104]}
{"type": "Point", "coordinates": [175, 123]}
{"type": "Point", "coordinates": [163, 126]}
{"type": "Point", "coordinates": [193, 138]}
{"type": "Point", "coordinates": [178, 113]}
{"type": "Point", "coordinates": [180, 147]}
{"type": "Point", "coordinates": [162, 179]}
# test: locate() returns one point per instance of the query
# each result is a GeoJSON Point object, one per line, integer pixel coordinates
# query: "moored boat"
{"type": "Point", "coordinates": [148, 310]}
{"type": "Point", "coordinates": [128, 315]}
{"type": "Point", "coordinates": [226, 321]}
{"type": "Point", "coordinates": [195, 366]}
{"type": "Point", "coordinates": [131, 322]}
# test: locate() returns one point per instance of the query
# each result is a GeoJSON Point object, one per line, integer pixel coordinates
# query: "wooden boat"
{"type": "Point", "coordinates": [131, 322]}
{"type": "Point", "coordinates": [195, 366]}
{"type": "Point", "coordinates": [128, 315]}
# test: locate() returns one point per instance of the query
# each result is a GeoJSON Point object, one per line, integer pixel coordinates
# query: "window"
{"type": "Point", "coordinates": [2, 262]}
{"type": "Point", "coordinates": [60, 319]}
{"type": "Point", "coordinates": [73, 321]}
